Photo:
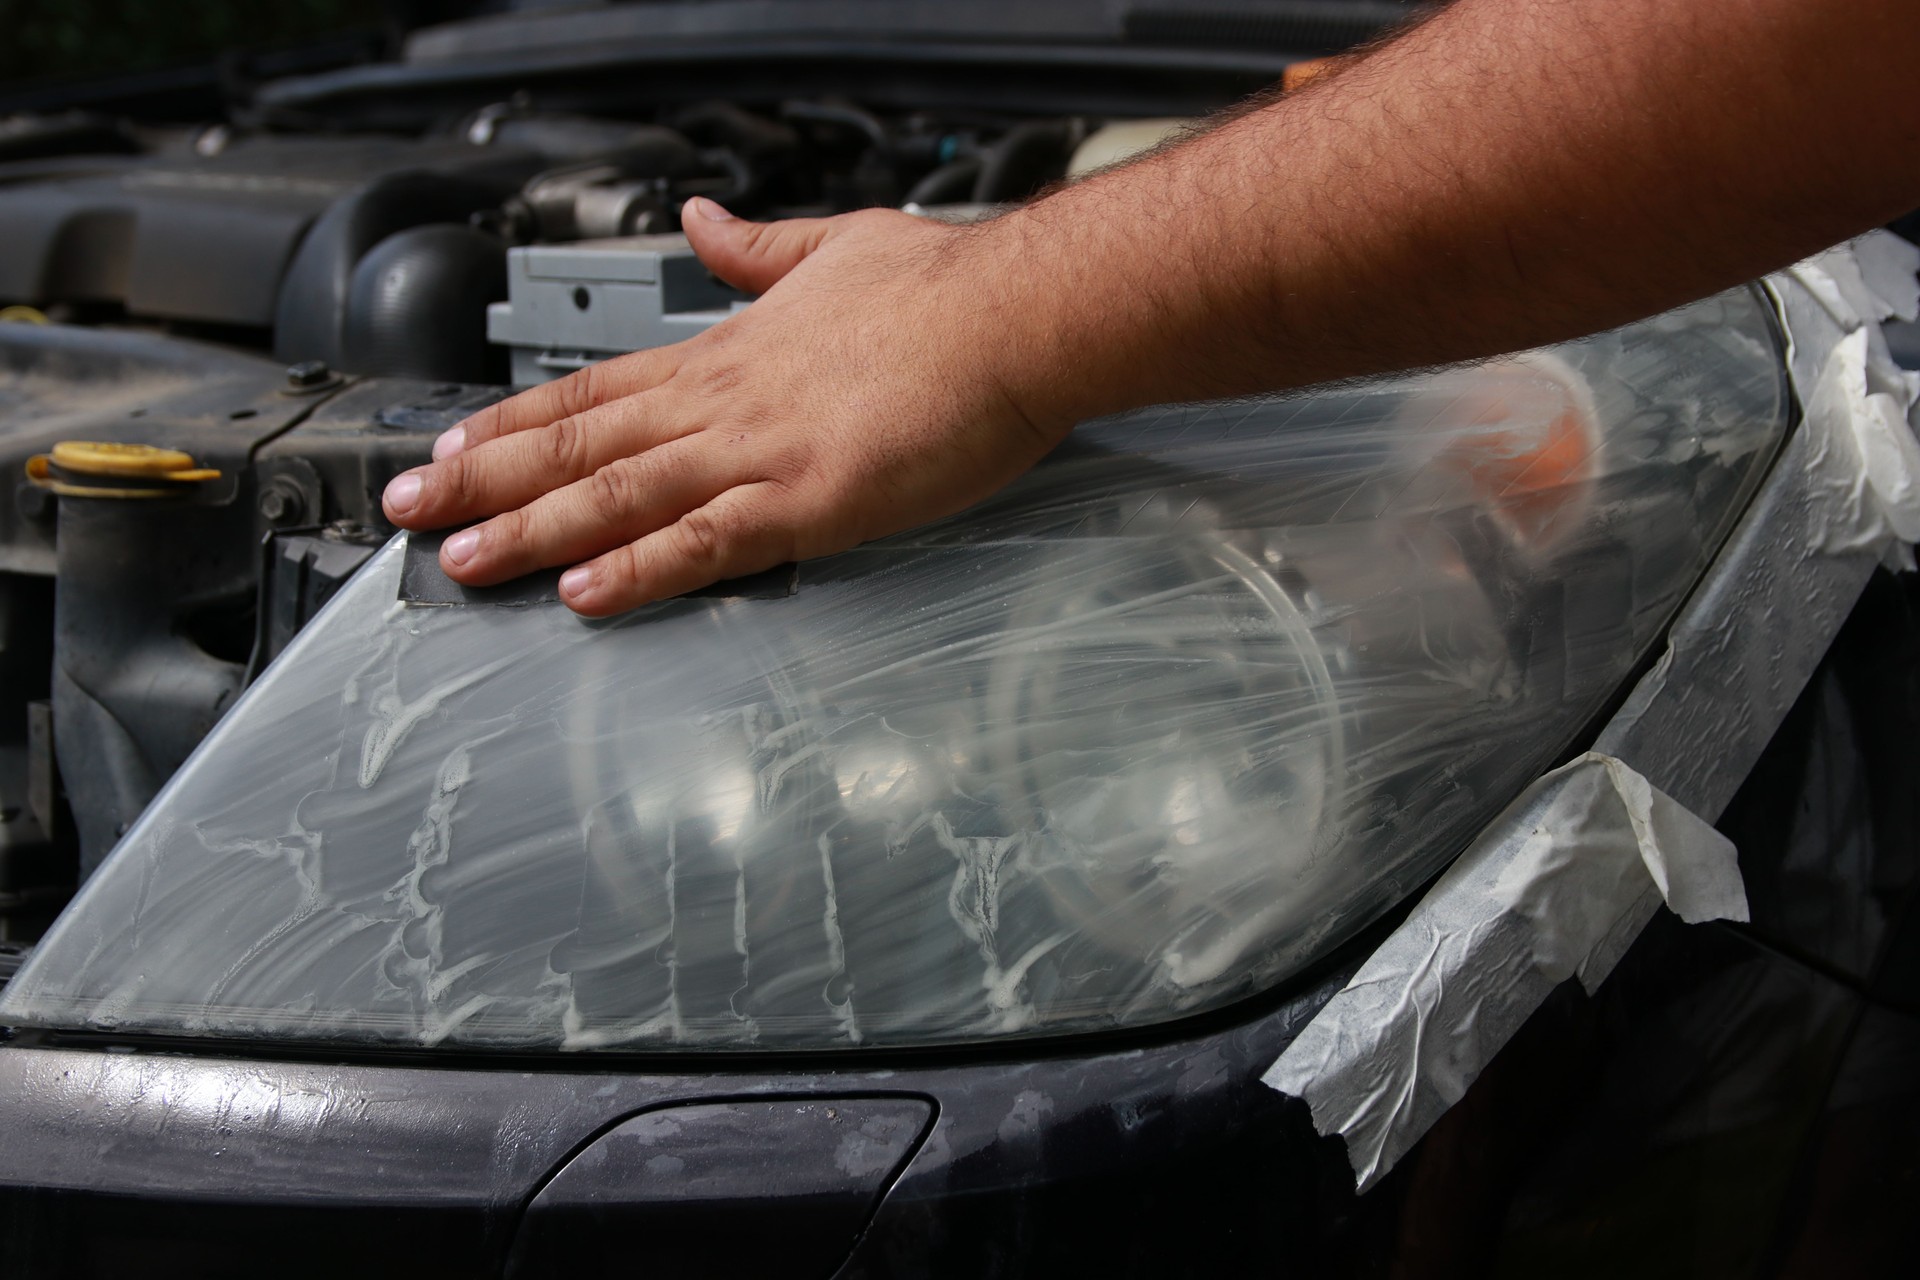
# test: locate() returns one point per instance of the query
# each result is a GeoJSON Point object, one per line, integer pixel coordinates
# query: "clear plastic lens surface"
{"type": "Point", "coordinates": [1146, 733]}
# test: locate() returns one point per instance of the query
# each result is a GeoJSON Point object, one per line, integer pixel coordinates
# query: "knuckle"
{"type": "Point", "coordinates": [507, 532]}
{"type": "Point", "coordinates": [612, 490]}
{"type": "Point", "coordinates": [563, 447]}
{"type": "Point", "coordinates": [574, 394]}
{"type": "Point", "coordinates": [599, 381]}
{"type": "Point", "coordinates": [622, 566]}
{"type": "Point", "coordinates": [704, 535]}
{"type": "Point", "coordinates": [504, 542]}
{"type": "Point", "coordinates": [754, 234]}
{"type": "Point", "coordinates": [458, 486]}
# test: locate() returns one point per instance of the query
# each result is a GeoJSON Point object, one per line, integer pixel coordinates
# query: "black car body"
{"type": "Point", "coordinates": [292, 288]}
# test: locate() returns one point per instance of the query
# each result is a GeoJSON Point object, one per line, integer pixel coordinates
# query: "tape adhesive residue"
{"type": "Point", "coordinates": [1557, 887]}
{"type": "Point", "coordinates": [1860, 406]}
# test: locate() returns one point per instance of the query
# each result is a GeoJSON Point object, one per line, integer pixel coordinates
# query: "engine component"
{"type": "Point", "coordinates": [301, 571]}
{"type": "Point", "coordinates": [163, 605]}
{"type": "Point", "coordinates": [210, 238]}
{"type": "Point", "coordinates": [633, 194]}
{"type": "Point", "coordinates": [646, 148]}
{"type": "Point", "coordinates": [417, 306]}
{"type": "Point", "coordinates": [1026, 159]}
{"type": "Point", "coordinates": [104, 469]}
{"type": "Point", "coordinates": [151, 609]}
{"type": "Point", "coordinates": [38, 856]}
{"type": "Point", "coordinates": [769, 146]}
{"type": "Point", "coordinates": [570, 305]}
{"type": "Point", "coordinates": [591, 201]}
{"type": "Point", "coordinates": [135, 685]}
{"type": "Point", "coordinates": [311, 317]}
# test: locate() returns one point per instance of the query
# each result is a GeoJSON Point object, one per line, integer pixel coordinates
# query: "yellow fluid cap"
{"type": "Point", "coordinates": [169, 473]}
{"type": "Point", "coordinates": [129, 461]}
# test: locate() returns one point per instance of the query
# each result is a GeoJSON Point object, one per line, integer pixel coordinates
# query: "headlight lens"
{"type": "Point", "coordinates": [1186, 706]}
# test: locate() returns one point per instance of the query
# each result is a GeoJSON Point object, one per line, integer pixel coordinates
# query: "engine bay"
{"type": "Point", "coordinates": [378, 255]}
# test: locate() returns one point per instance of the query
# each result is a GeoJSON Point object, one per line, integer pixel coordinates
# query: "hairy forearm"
{"type": "Point", "coordinates": [1509, 173]}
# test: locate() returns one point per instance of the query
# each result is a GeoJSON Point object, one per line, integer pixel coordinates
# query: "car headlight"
{"type": "Point", "coordinates": [1186, 706]}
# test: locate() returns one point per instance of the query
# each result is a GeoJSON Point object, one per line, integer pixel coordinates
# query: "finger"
{"type": "Point", "coordinates": [751, 256]}
{"type": "Point", "coordinates": [626, 499]}
{"type": "Point", "coordinates": [513, 470]}
{"type": "Point", "coordinates": [742, 531]}
{"type": "Point", "coordinates": [566, 397]}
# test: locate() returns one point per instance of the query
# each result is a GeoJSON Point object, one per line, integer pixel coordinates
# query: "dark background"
{"type": "Point", "coordinates": [42, 40]}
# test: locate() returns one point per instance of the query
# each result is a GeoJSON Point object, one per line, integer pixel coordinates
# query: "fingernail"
{"type": "Point", "coordinates": [575, 580]}
{"type": "Point", "coordinates": [710, 209]}
{"type": "Point", "coordinates": [460, 547]}
{"type": "Point", "coordinates": [403, 493]}
{"type": "Point", "coordinates": [450, 442]}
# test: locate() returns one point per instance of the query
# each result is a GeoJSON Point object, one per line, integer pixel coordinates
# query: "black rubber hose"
{"type": "Point", "coordinates": [310, 315]}
{"type": "Point", "coordinates": [649, 150]}
{"type": "Point", "coordinates": [1026, 158]}
{"type": "Point", "coordinates": [761, 141]}
{"type": "Point", "coordinates": [746, 184]}
{"type": "Point", "coordinates": [417, 307]}
{"type": "Point", "coordinates": [951, 183]}
{"type": "Point", "coordinates": [854, 118]}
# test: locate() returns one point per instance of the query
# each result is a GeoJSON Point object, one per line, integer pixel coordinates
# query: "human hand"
{"type": "Point", "coordinates": [877, 384]}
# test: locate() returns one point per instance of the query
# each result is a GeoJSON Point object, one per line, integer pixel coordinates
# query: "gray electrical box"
{"type": "Point", "coordinates": [569, 305]}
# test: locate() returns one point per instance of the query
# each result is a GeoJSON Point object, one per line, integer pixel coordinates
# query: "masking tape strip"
{"type": "Point", "coordinates": [1752, 634]}
{"type": "Point", "coordinates": [1859, 404]}
{"type": "Point", "coordinates": [1580, 858]}
{"type": "Point", "coordinates": [1564, 880]}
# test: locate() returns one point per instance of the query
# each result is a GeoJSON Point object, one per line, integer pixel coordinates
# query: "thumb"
{"type": "Point", "coordinates": [750, 256]}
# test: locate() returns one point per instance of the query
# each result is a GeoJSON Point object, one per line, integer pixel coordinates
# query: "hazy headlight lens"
{"type": "Point", "coordinates": [1192, 702]}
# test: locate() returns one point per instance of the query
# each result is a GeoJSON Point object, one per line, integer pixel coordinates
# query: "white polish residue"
{"type": "Point", "coordinates": [974, 898]}
{"type": "Point", "coordinates": [836, 947]}
{"type": "Point", "coordinates": [394, 718]}
{"type": "Point", "coordinates": [1146, 732]}
{"type": "Point", "coordinates": [418, 959]}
